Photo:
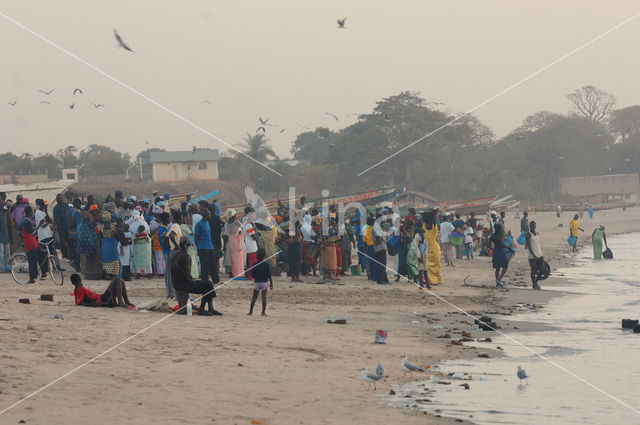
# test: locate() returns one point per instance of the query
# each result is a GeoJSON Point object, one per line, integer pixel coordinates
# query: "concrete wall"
{"type": "Point", "coordinates": [23, 178]}
{"type": "Point", "coordinates": [184, 171]}
{"type": "Point", "coordinates": [590, 186]}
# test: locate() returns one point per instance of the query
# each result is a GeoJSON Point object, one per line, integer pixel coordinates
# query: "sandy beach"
{"type": "Point", "coordinates": [290, 367]}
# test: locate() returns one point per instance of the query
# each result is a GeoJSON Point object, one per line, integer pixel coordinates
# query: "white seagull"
{"type": "Point", "coordinates": [408, 367]}
{"type": "Point", "coordinates": [370, 378]}
{"type": "Point", "coordinates": [522, 375]}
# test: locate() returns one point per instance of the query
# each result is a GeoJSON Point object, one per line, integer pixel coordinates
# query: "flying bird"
{"type": "Point", "coordinates": [605, 148]}
{"type": "Point", "coordinates": [332, 115]}
{"type": "Point", "coordinates": [370, 378]}
{"type": "Point", "coordinates": [98, 105]}
{"type": "Point", "coordinates": [46, 92]}
{"type": "Point", "coordinates": [283, 130]}
{"type": "Point", "coordinates": [522, 375]}
{"type": "Point", "coordinates": [263, 122]}
{"type": "Point", "coordinates": [77, 91]}
{"type": "Point", "coordinates": [341, 22]}
{"type": "Point", "coordinates": [44, 101]}
{"type": "Point", "coordinates": [121, 42]}
{"type": "Point", "coordinates": [261, 128]}
{"type": "Point", "coordinates": [207, 101]}
{"type": "Point", "coordinates": [12, 103]}
{"type": "Point", "coordinates": [408, 367]}
{"type": "Point", "coordinates": [72, 105]}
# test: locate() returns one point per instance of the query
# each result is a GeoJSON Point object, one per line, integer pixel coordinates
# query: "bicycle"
{"type": "Point", "coordinates": [20, 266]}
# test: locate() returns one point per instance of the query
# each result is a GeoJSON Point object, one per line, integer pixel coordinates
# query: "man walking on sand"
{"type": "Point", "coordinates": [534, 253]}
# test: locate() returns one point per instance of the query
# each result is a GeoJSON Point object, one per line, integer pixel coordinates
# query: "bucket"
{"type": "Point", "coordinates": [381, 336]}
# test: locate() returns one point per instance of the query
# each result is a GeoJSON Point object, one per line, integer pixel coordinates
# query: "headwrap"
{"type": "Point", "coordinates": [229, 213]}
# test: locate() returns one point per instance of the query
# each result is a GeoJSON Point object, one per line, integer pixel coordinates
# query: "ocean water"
{"type": "Point", "coordinates": [588, 341]}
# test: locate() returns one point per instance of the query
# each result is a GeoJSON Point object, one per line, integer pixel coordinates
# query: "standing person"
{"type": "Point", "coordinates": [524, 222]}
{"type": "Point", "coordinates": [433, 249]}
{"type": "Point", "coordinates": [123, 238]}
{"type": "Point", "coordinates": [234, 239]}
{"type": "Point", "coordinates": [308, 235]}
{"type": "Point", "coordinates": [493, 219]}
{"type": "Point", "coordinates": [163, 238]}
{"type": "Point", "coordinates": [215, 224]}
{"type": "Point", "coordinates": [516, 212]}
{"type": "Point", "coordinates": [534, 253]}
{"type": "Point", "coordinates": [573, 231]}
{"type": "Point", "coordinates": [499, 260]}
{"type": "Point", "coordinates": [88, 244]}
{"type": "Point", "coordinates": [367, 238]}
{"type": "Point", "coordinates": [597, 237]}
{"type": "Point", "coordinates": [141, 254]}
{"type": "Point", "coordinates": [558, 210]}
{"type": "Point", "coordinates": [446, 228]}
{"type": "Point", "coordinates": [73, 223]}
{"type": "Point", "coordinates": [473, 221]}
{"type": "Point", "coordinates": [590, 211]}
{"type": "Point", "coordinates": [208, 265]}
{"type": "Point", "coordinates": [110, 257]}
{"type": "Point", "coordinates": [413, 254]}
{"type": "Point", "coordinates": [45, 236]}
{"type": "Point", "coordinates": [458, 225]}
{"type": "Point", "coordinates": [60, 213]}
{"type": "Point", "coordinates": [5, 237]}
{"type": "Point", "coordinates": [380, 255]}
{"type": "Point", "coordinates": [468, 241]}
{"type": "Point", "coordinates": [268, 236]}
{"type": "Point", "coordinates": [294, 254]}
{"type": "Point", "coordinates": [262, 281]}
{"type": "Point", "coordinates": [30, 243]}
{"type": "Point", "coordinates": [187, 231]}
{"type": "Point", "coordinates": [250, 240]}
{"type": "Point", "coordinates": [345, 248]}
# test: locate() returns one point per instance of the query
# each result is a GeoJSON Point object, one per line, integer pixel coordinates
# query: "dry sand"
{"type": "Point", "coordinates": [289, 368]}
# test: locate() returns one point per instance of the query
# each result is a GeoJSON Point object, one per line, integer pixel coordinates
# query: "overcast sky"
{"type": "Point", "coordinates": [288, 61]}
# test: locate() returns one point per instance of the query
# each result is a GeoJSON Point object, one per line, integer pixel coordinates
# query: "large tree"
{"type": "Point", "coordinates": [257, 147]}
{"type": "Point", "coordinates": [592, 103]}
{"type": "Point", "coordinates": [100, 160]}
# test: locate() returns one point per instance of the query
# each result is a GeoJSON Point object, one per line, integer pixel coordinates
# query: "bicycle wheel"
{"type": "Point", "coordinates": [55, 272]}
{"type": "Point", "coordinates": [19, 268]}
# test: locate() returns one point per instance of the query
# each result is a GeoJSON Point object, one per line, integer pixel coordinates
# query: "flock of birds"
{"type": "Point", "coordinates": [48, 93]}
{"type": "Point", "coordinates": [409, 368]}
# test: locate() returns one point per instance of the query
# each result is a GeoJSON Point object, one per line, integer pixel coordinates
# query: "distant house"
{"type": "Point", "coordinates": [603, 189]}
{"type": "Point", "coordinates": [179, 166]}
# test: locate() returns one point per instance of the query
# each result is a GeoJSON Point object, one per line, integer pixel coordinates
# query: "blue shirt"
{"type": "Point", "coordinates": [202, 232]}
{"type": "Point", "coordinates": [161, 234]}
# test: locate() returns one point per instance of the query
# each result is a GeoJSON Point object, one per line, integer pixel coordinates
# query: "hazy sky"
{"type": "Point", "coordinates": [288, 61]}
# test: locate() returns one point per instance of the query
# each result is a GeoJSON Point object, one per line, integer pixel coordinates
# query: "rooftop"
{"type": "Point", "coordinates": [183, 156]}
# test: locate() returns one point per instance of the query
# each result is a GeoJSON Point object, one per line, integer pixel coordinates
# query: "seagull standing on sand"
{"type": "Point", "coordinates": [370, 378]}
{"type": "Point", "coordinates": [121, 42]}
{"type": "Point", "coordinates": [408, 367]}
{"type": "Point", "coordinates": [522, 375]}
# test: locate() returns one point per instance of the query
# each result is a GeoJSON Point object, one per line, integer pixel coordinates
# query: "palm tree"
{"type": "Point", "coordinates": [257, 147]}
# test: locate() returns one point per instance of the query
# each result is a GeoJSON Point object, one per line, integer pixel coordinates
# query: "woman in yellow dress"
{"type": "Point", "coordinates": [433, 249]}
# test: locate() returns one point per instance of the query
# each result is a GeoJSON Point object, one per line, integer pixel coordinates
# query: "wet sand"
{"type": "Point", "coordinates": [290, 367]}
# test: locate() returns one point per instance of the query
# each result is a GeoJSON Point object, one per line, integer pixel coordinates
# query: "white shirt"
{"type": "Point", "coordinates": [446, 229]}
{"type": "Point", "coordinates": [43, 232]}
{"type": "Point", "coordinates": [175, 228]}
{"type": "Point", "coordinates": [195, 218]}
{"type": "Point", "coordinates": [468, 235]}
{"type": "Point", "coordinates": [250, 244]}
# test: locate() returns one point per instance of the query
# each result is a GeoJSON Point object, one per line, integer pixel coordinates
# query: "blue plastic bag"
{"type": "Point", "coordinates": [522, 240]}
{"type": "Point", "coordinates": [571, 240]}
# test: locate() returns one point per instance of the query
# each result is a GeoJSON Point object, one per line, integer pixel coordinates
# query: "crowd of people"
{"type": "Point", "coordinates": [188, 243]}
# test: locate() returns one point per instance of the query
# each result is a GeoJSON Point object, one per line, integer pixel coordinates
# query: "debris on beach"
{"type": "Point", "coordinates": [629, 323]}
{"type": "Point", "coordinates": [46, 297]}
{"type": "Point", "coordinates": [484, 356]}
{"type": "Point", "coordinates": [24, 301]}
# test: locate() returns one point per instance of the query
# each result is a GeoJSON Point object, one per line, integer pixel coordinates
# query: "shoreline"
{"type": "Point", "coordinates": [292, 365]}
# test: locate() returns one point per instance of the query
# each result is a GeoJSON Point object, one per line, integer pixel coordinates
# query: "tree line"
{"type": "Point", "coordinates": [461, 159]}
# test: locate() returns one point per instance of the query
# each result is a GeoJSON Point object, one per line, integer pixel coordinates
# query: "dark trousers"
{"type": "Point", "coordinates": [63, 242]}
{"type": "Point", "coordinates": [381, 266]}
{"type": "Point", "coordinates": [201, 287]}
{"type": "Point", "coordinates": [535, 265]}
{"type": "Point", "coordinates": [371, 255]}
{"type": "Point", "coordinates": [208, 265]}
{"type": "Point", "coordinates": [32, 257]}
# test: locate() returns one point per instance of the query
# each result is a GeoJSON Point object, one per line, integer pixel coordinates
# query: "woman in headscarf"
{"type": "Point", "coordinates": [328, 253]}
{"type": "Point", "coordinates": [307, 243]}
{"type": "Point", "coordinates": [87, 243]}
{"type": "Point", "coordinates": [234, 242]}
{"type": "Point", "coordinates": [597, 237]}
{"type": "Point", "coordinates": [137, 220]}
{"type": "Point", "coordinates": [433, 248]}
{"type": "Point", "coordinates": [141, 253]}
{"type": "Point", "coordinates": [107, 227]}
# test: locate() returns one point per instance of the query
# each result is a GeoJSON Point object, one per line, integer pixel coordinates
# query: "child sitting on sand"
{"type": "Point", "coordinates": [261, 273]}
{"type": "Point", "coordinates": [114, 296]}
